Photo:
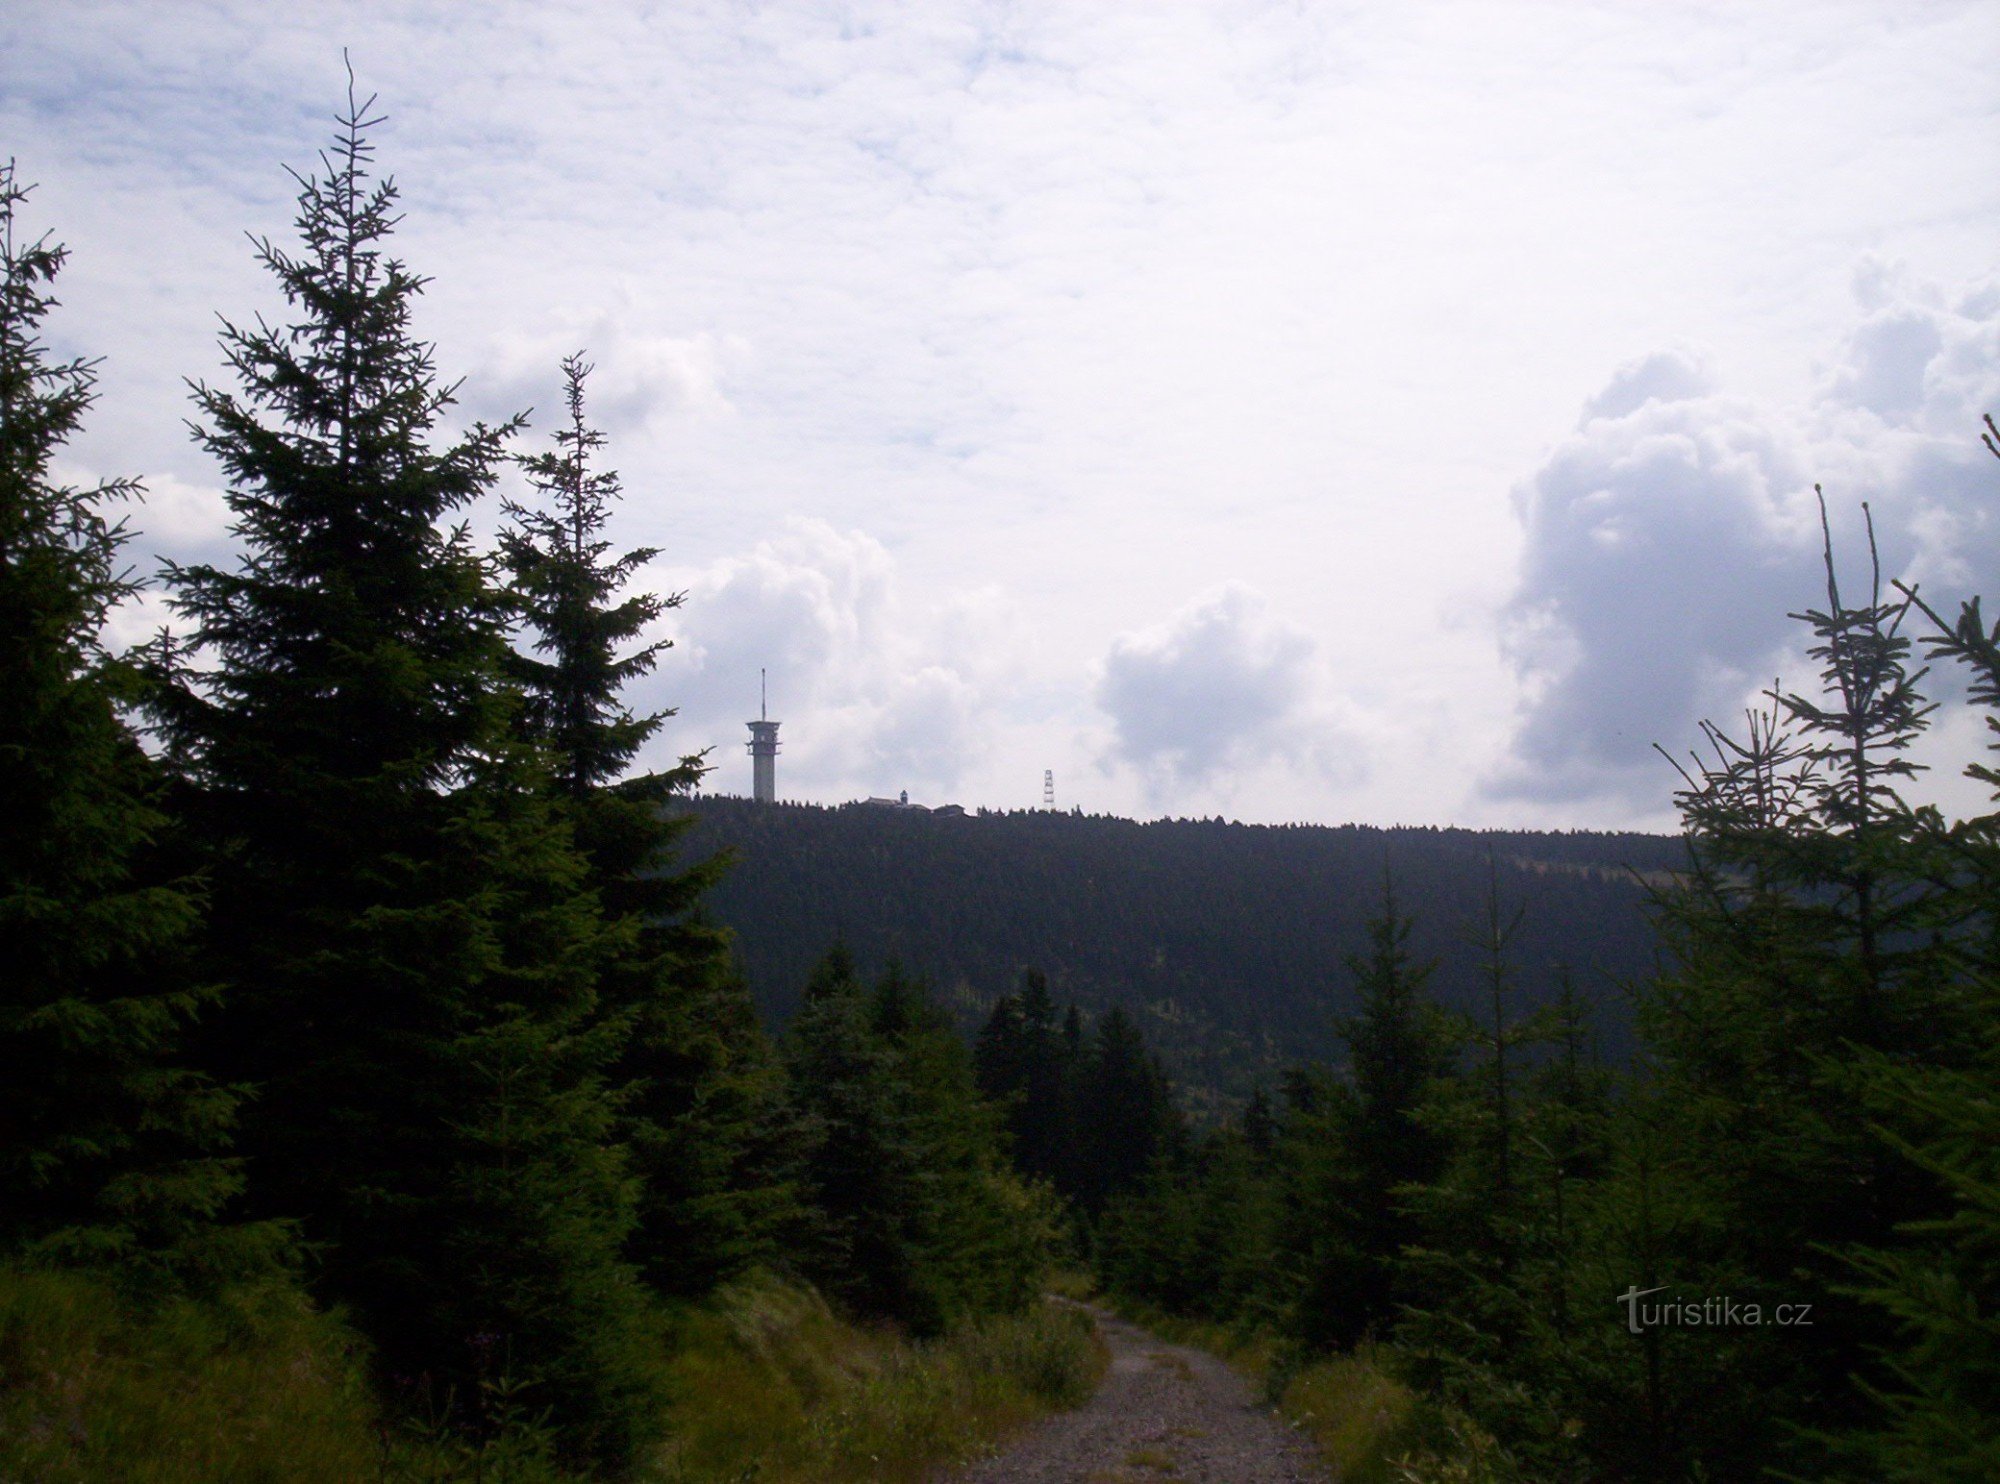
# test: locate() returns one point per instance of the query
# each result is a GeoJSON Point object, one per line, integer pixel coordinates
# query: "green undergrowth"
{"type": "Point", "coordinates": [1376, 1430]}
{"type": "Point", "coordinates": [257, 1386]}
{"type": "Point", "coordinates": [253, 1385]}
{"type": "Point", "coordinates": [771, 1385]}
{"type": "Point", "coordinates": [1075, 1284]}
{"type": "Point", "coordinates": [1369, 1427]}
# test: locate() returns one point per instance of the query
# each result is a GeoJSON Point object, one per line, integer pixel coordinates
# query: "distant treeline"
{"type": "Point", "coordinates": [1224, 941]}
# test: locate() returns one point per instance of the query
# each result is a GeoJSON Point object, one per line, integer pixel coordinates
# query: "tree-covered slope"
{"type": "Point", "coordinates": [1227, 940]}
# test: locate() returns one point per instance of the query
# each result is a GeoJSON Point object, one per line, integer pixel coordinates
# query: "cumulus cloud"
{"type": "Point", "coordinates": [1224, 684]}
{"type": "Point", "coordinates": [1678, 375]}
{"type": "Point", "coordinates": [1670, 533]}
{"type": "Point", "coordinates": [872, 697]}
{"type": "Point", "coordinates": [1657, 534]}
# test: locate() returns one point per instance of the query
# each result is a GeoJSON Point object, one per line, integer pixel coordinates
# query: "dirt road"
{"type": "Point", "coordinates": [1165, 1414]}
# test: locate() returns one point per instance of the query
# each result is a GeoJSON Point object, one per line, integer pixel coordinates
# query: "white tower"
{"type": "Point", "coordinates": [763, 749]}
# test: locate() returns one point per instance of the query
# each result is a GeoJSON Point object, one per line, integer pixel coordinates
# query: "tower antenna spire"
{"type": "Point", "coordinates": [763, 695]}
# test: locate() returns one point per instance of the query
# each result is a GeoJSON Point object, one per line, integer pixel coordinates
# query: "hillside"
{"type": "Point", "coordinates": [1228, 940]}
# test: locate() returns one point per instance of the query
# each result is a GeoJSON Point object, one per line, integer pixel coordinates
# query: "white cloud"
{"type": "Point", "coordinates": [1679, 375]}
{"type": "Point", "coordinates": [1224, 685]}
{"type": "Point", "coordinates": [1670, 534]}
{"type": "Point", "coordinates": [639, 383]}
{"type": "Point", "coordinates": [179, 518]}
{"type": "Point", "coordinates": [873, 694]}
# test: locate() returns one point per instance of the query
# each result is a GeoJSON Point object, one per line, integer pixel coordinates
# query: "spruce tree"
{"type": "Point", "coordinates": [703, 1096]}
{"type": "Point", "coordinates": [915, 1217]}
{"type": "Point", "coordinates": [1197, 1238]}
{"type": "Point", "coordinates": [1399, 1046]}
{"type": "Point", "coordinates": [1939, 1282]}
{"type": "Point", "coordinates": [858, 1167]}
{"type": "Point", "coordinates": [981, 1236]}
{"type": "Point", "coordinates": [411, 933]}
{"type": "Point", "coordinates": [1125, 1112]}
{"type": "Point", "coordinates": [1469, 1218]}
{"type": "Point", "coordinates": [1938, 1404]}
{"type": "Point", "coordinates": [109, 1145]}
{"type": "Point", "coordinates": [1025, 1065]}
{"type": "Point", "coordinates": [1500, 1033]}
{"type": "Point", "coordinates": [571, 589]}
{"type": "Point", "coordinates": [1814, 927]}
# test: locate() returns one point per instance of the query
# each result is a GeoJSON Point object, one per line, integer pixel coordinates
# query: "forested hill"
{"type": "Point", "coordinates": [1227, 940]}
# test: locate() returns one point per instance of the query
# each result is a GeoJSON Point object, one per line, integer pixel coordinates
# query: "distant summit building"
{"type": "Point", "coordinates": [763, 749]}
{"type": "Point", "coordinates": [902, 804]}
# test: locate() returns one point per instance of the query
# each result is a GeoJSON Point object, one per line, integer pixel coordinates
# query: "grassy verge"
{"type": "Point", "coordinates": [1369, 1427]}
{"type": "Point", "coordinates": [1375, 1430]}
{"type": "Point", "coordinates": [770, 1385]}
{"type": "Point", "coordinates": [256, 1386]}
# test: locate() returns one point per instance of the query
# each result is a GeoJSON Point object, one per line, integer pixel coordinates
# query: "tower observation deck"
{"type": "Point", "coordinates": [763, 750]}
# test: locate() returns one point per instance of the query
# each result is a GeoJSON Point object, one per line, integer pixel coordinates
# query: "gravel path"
{"type": "Point", "coordinates": [1165, 1414]}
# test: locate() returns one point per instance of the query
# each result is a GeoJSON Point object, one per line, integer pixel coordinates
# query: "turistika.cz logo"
{"type": "Point", "coordinates": [1714, 1312]}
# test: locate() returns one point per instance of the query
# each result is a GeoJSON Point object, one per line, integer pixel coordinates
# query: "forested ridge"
{"type": "Point", "coordinates": [383, 1093]}
{"type": "Point", "coordinates": [1225, 941]}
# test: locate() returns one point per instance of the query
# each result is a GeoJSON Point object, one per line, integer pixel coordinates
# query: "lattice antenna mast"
{"type": "Point", "coordinates": [1048, 788]}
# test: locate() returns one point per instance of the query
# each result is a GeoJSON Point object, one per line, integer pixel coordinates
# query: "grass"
{"type": "Point", "coordinates": [768, 1384]}
{"type": "Point", "coordinates": [260, 1387]}
{"type": "Point", "coordinates": [1376, 1430]}
{"type": "Point", "coordinates": [257, 1386]}
{"type": "Point", "coordinates": [771, 1385]}
{"type": "Point", "coordinates": [1075, 1284]}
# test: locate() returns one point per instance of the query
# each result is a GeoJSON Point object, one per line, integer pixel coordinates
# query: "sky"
{"type": "Point", "coordinates": [1382, 412]}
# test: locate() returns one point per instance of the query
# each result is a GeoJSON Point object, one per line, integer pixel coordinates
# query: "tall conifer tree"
{"type": "Point", "coordinates": [704, 1108]}
{"type": "Point", "coordinates": [1026, 1067]}
{"type": "Point", "coordinates": [1125, 1111]}
{"type": "Point", "coordinates": [412, 934]}
{"type": "Point", "coordinates": [1399, 1046]}
{"type": "Point", "coordinates": [917, 1218]}
{"type": "Point", "coordinates": [858, 1169]}
{"type": "Point", "coordinates": [107, 1147]}
{"type": "Point", "coordinates": [1940, 1280]}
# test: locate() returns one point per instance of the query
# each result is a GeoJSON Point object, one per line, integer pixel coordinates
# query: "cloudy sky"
{"type": "Point", "coordinates": [1396, 412]}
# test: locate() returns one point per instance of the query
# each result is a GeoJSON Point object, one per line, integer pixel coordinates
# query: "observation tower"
{"type": "Point", "coordinates": [763, 749]}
